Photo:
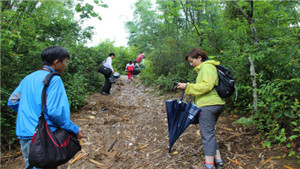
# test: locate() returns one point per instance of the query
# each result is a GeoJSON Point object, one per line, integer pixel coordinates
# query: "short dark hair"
{"type": "Point", "coordinates": [195, 53]}
{"type": "Point", "coordinates": [111, 54]}
{"type": "Point", "coordinates": [52, 53]}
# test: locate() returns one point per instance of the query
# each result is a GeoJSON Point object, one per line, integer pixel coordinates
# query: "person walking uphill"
{"type": "Point", "coordinates": [107, 85]}
{"type": "Point", "coordinates": [140, 58]}
{"type": "Point", "coordinates": [130, 69]}
{"type": "Point", "coordinates": [210, 103]}
{"type": "Point", "coordinates": [26, 100]}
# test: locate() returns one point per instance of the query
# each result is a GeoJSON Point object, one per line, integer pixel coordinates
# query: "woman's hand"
{"type": "Point", "coordinates": [181, 85]}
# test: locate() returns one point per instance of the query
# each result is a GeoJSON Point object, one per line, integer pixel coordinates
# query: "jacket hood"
{"type": "Point", "coordinates": [206, 62]}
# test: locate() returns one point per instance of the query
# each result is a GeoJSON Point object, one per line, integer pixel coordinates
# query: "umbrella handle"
{"type": "Point", "coordinates": [182, 95]}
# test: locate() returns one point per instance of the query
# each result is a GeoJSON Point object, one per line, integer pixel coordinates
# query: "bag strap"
{"type": "Point", "coordinates": [105, 60]}
{"type": "Point", "coordinates": [46, 83]}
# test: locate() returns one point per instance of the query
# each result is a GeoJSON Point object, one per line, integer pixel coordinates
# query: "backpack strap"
{"type": "Point", "coordinates": [46, 83]}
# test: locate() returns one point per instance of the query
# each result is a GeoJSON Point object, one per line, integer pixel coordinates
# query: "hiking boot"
{"type": "Point", "coordinates": [219, 165]}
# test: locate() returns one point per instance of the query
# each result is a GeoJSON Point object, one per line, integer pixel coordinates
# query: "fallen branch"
{"type": "Point", "coordinates": [243, 156]}
{"type": "Point", "coordinates": [239, 134]}
{"type": "Point", "coordinates": [235, 161]}
{"type": "Point", "coordinates": [266, 161]}
{"type": "Point", "coordinates": [288, 167]}
{"type": "Point", "coordinates": [12, 155]}
{"type": "Point", "coordinates": [140, 148]}
{"type": "Point", "coordinates": [229, 129]}
{"type": "Point", "coordinates": [79, 156]}
{"type": "Point", "coordinates": [100, 165]}
{"type": "Point", "coordinates": [112, 145]}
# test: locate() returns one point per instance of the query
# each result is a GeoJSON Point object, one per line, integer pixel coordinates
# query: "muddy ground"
{"type": "Point", "coordinates": [128, 129]}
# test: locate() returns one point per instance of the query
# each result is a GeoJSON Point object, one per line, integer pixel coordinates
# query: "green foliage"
{"type": "Point", "coordinates": [27, 28]}
{"type": "Point", "coordinates": [167, 83]}
{"type": "Point", "coordinates": [76, 86]}
{"type": "Point", "coordinates": [245, 121]}
{"type": "Point", "coordinates": [87, 10]}
{"type": "Point", "coordinates": [279, 115]}
{"type": "Point", "coordinates": [123, 56]}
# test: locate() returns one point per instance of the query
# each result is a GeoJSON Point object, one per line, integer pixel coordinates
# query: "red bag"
{"type": "Point", "coordinates": [130, 68]}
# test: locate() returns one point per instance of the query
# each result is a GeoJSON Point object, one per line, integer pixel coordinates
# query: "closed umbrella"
{"type": "Point", "coordinates": [180, 115]}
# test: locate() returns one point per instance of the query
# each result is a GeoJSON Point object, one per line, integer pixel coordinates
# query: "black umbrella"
{"type": "Point", "coordinates": [180, 115]}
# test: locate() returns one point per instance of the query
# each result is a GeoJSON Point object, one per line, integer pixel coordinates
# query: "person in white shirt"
{"type": "Point", "coordinates": [108, 63]}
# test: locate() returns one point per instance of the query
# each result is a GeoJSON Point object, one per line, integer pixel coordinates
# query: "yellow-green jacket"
{"type": "Point", "coordinates": [203, 89]}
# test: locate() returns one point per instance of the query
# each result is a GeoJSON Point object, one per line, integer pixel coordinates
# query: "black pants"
{"type": "Point", "coordinates": [107, 84]}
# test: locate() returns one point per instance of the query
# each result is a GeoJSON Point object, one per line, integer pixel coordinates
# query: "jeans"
{"type": "Point", "coordinates": [25, 147]}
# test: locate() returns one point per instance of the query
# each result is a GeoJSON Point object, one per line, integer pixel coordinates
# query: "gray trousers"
{"type": "Point", "coordinates": [208, 118]}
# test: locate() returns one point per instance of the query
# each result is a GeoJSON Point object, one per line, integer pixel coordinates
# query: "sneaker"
{"type": "Point", "coordinates": [104, 93]}
{"type": "Point", "coordinates": [219, 165]}
{"type": "Point", "coordinates": [200, 167]}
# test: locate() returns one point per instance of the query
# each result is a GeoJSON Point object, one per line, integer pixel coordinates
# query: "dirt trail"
{"type": "Point", "coordinates": [128, 129]}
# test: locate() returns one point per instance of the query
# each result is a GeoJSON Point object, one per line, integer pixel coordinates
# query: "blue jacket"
{"type": "Point", "coordinates": [27, 101]}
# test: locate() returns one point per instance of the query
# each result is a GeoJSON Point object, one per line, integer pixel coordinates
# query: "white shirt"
{"type": "Point", "coordinates": [129, 65]}
{"type": "Point", "coordinates": [108, 63]}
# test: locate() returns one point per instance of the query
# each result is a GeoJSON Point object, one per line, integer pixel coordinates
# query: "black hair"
{"type": "Point", "coordinates": [130, 62]}
{"type": "Point", "coordinates": [111, 54]}
{"type": "Point", "coordinates": [52, 53]}
{"type": "Point", "coordinates": [195, 53]}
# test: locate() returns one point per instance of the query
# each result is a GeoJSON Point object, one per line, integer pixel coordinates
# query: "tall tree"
{"type": "Point", "coordinates": [249, 17]}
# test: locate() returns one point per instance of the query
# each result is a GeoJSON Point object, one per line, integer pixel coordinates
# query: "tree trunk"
{"type": "Point", "coordinates": [254, 85]}
{"type": "Point", "coordinates": [249, 17]}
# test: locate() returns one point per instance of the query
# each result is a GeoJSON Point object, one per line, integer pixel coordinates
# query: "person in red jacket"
{"type": "Point", "coordinates": [130, 69]}
{"type": "Point", "coordinates": [140, 58]}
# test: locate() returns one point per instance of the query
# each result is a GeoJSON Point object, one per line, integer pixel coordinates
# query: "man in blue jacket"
{"type": "Point", "coordinates": [26, 100]}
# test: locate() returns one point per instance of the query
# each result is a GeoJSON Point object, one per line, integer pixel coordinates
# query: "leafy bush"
{"type": "Point", "coordinates": [278, 117]}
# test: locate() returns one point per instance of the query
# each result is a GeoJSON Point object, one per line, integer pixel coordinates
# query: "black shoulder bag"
{"type": "Point", "coordinates": [50, 149]}
{"type": "Point", "coordinates": [105, 70]}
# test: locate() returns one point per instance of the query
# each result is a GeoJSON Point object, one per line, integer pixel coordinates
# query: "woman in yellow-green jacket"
{"type": "Point", "coordinates": [207, 98]}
